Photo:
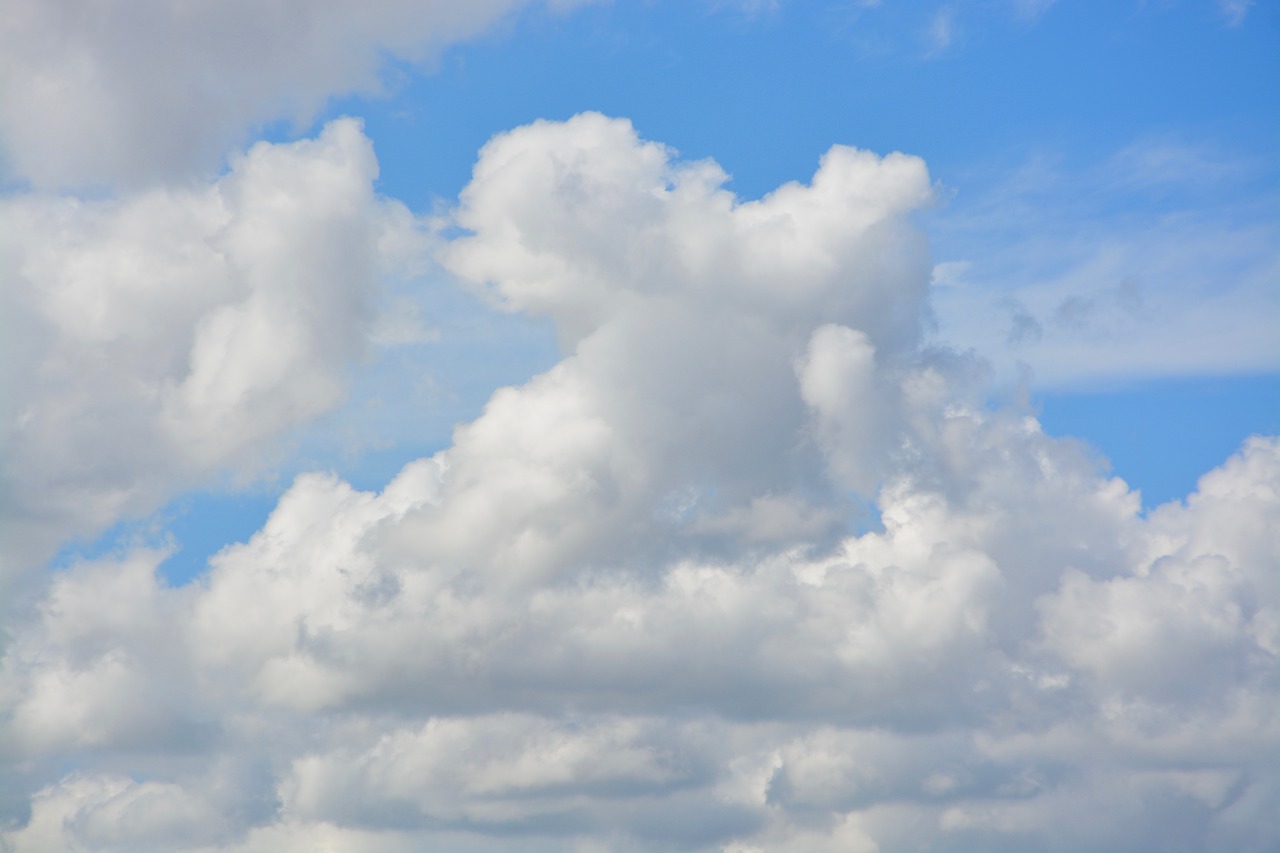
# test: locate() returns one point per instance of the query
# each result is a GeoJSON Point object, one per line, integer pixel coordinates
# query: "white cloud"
{"type": "Point", "coordinates": [162, 337]}
{"type": "Point", "coordinates": [1032, 10]}
{"type": "Point", "coordinates": [156, 89]}
{"type": "Point", "coordinates": [563, 633]}
{"type": "Point", "coordinates": [853, 409]}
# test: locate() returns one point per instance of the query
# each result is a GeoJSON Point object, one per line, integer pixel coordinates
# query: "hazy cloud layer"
{"type": "Point", "coordinates": [642, 602]}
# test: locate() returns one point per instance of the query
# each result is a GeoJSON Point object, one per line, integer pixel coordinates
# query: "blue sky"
{"type": "Point", "coordinates": [627, 425]}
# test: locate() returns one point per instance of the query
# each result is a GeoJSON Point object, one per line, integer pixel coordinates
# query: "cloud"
{"type": "Point", "coordinates": [1234, 11]}
{"type": "Point", "coordinates": [152, 90]}
{"type": "Point", "coordinates": [638, 603]}
{"type": "Point", "coordinates": [157, 339]}
{"type": "Point", "coordinates": [941, 32]}
{"type": "Point", "coordinates": [1105, 270]}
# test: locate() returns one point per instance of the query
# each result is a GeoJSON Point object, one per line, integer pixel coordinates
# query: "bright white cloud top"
{"type": "Point", "coordinates": [755, 565]}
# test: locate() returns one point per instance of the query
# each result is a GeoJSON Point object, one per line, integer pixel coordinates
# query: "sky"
{"type": "Point", "coordinates": [723, 425]}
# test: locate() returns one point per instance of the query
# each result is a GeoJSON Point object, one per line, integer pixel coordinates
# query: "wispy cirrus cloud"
{"type": "Point", "coordinates": [1156, 261]}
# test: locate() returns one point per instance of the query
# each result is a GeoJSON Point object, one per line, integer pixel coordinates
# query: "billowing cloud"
{"type": "Point", "coordinates": [643, 602]}
{"type": "Point", "coordinates": [156, 89]}
{"type": "Point", "coordinates": [153, 340]}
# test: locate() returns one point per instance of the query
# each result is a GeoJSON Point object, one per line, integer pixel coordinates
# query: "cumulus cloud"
{"type": "Point", "coordinates": [154, 89]}
{"type": "Point", "coordinates": [640, 602]}
{"type": "Point", "coordinates": [155, 339]}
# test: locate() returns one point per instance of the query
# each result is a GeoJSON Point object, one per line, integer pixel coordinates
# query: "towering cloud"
{"type": "Point", "coordinates": [748, 569]}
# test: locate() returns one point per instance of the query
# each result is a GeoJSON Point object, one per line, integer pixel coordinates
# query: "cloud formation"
{"type": "Point", "coordinates": [154, 340]}
{"type": "Point", "coordinates": [643, 601]}
{"type": "Point", "coordinates": [149, 90]}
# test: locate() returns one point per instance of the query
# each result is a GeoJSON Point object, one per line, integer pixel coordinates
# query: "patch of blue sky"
{"type": "Point", "coordinates": [1161, 436]}
{"type": "Point", "coordinates": [191, 529]}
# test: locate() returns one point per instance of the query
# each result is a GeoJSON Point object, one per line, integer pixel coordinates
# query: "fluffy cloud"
{"type": "Point", "coordinates": [147, 89]}
{"type": "Point", "coordinates": [641, 602]}
{"type": "Point", "coordinates": [153, 340]}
